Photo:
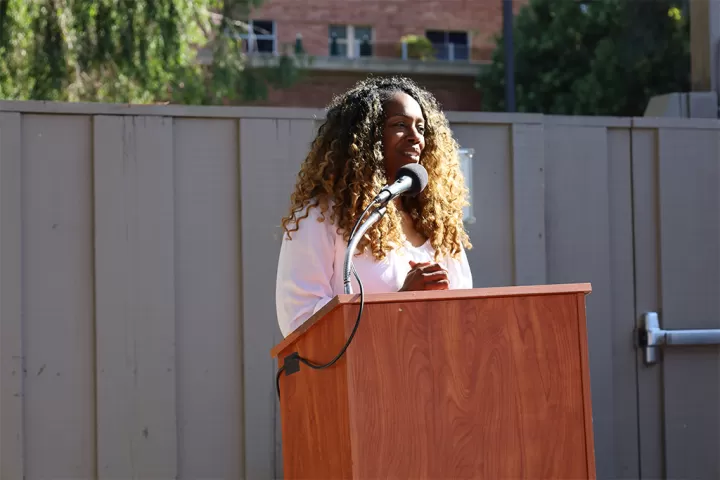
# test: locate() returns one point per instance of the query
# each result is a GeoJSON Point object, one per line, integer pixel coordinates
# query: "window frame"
{"type": "Point", "coordinates": [350, 41]}
{"type": "Point", "coordinates": [251, 37]}
{"type": "Point", "coordinates": [446, 42]}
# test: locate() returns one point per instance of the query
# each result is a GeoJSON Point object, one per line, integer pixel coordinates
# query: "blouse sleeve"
{"type": "Point", "coordinates": [460, 273]}
{"type": "Point", "coordinates": [304, 273]}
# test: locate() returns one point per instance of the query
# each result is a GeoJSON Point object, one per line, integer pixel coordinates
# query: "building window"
{"type": "Point", "coordinates": [452, 46]}
{"type": "Point", "coordinates": [350, 41]}
{"type": "Point", "coordinates": [261, 37]}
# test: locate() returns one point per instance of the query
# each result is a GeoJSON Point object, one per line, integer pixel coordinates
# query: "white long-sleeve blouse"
{"type": "Point", "coordinates": [310, 268]}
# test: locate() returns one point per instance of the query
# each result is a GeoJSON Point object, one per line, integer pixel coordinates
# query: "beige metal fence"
{"type": "Point", "coordinates": [138, 248]}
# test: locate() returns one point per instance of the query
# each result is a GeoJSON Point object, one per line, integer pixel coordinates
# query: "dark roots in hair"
{"type": "Point", "coordinates": [344, 171]}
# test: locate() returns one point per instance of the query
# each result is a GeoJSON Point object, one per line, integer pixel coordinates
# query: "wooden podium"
{"type": "Point", "coordinates": [486, 383]}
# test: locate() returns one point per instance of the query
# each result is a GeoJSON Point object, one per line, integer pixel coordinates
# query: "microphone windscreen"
{"type": "Point", "coordinates": [417, 174]}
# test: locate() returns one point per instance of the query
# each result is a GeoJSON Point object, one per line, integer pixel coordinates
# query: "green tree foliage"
{"type": "Point", "coordinates": [132, 51]}
{"type": "Point", "coordinates": [596, 57]}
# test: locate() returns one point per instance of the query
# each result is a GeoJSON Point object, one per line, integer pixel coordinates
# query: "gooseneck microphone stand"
{"type": "Point", "coordinates": [355, 237]}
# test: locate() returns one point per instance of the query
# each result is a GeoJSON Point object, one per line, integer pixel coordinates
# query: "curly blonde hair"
{"type": "Point", "coordinates": [344, 171]}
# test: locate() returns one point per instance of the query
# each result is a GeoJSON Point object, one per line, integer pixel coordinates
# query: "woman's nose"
{"type": "Point", "coordinates": [414, 135]}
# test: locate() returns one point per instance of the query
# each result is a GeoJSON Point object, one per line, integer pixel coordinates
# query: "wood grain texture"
{"type": "Point", "coordinates": [487, 387]}
{"type": "Point", "coordinates": [587, 394]}
{"type": "Point", "coordinates": [314, 407]}
{"type": "Point", "coordinates": [428, 296]}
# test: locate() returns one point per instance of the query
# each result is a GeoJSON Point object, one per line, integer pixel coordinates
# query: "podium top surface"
{"type": "Point", "coordinates": [425, 296]}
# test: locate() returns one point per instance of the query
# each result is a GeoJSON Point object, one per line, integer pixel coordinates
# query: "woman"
{"type": "Point", "coordinates": [370, 132]}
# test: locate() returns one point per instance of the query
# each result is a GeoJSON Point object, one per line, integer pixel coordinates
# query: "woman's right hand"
{"type": "Point", "coordinates": [425, 276]}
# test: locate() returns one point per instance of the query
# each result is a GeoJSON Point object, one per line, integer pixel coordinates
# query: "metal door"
{"type": "Point", "coordinates": [676, 204]}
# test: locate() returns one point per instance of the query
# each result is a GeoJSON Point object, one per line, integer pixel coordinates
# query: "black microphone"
{"type": "Point", "coordinates": [411, 179]}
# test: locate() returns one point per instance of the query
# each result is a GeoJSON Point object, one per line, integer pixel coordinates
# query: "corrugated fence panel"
{"type": "Point", "coordinates": [689, 190]}
{"type": "Point", "coordinates": [647, 297]}
{"type": "Point", "coordinates": [207, 254]}
{"type": "Point", "coordinates": [624, 454]}
{"type": "Point", "coordinates": [578, 225]}
{"type": "Point", "coordinates": [135, 285]}
{"type": "Point", "coordinates": [491, 234]}
{"type": "Point", "coordinates": [11, 345]}
{"type": "Point", "coordinates": [676, 174]}
{"type": "Point", "coordinates": [58, 288]}
{"type": "Point", "coordinates": [589, 238]}
{"type": "Point", "coordinates": [508, 235]}
{"type": "Point", "coordinates": [528, 207]}
{"type": "Point", "coordinates": [270, 152]}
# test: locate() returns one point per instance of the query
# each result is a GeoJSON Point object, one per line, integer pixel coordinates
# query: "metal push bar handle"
{"type": "Point", "coordinates": [651, 337]}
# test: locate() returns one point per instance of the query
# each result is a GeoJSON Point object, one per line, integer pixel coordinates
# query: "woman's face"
{"type": "Point", "coordinates": [403, 133]}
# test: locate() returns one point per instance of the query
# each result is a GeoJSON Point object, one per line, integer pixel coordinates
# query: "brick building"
{"type": "Point", "coordinates": [350, 39]}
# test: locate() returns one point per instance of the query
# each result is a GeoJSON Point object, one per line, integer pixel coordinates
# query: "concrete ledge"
{"type": "Point", "coordinates": [379, 65]}
{"type": "Point", "coordinates": [395, 66]}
